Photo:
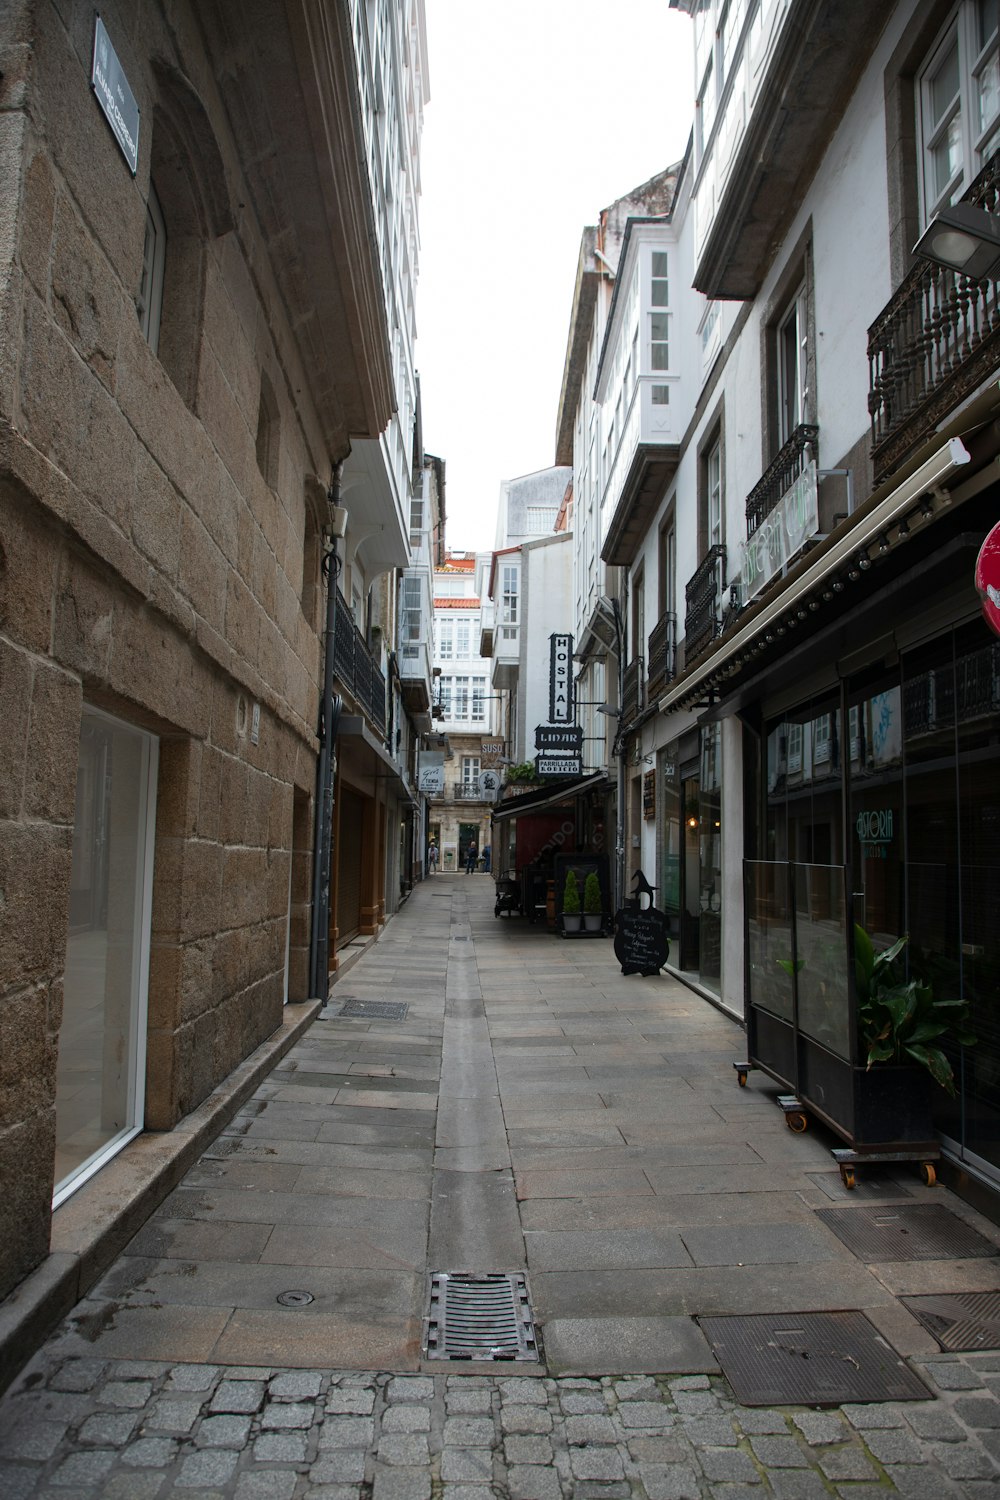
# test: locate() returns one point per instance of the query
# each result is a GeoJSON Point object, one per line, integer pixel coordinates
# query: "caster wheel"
{"type": "Point", "coordinates": [928, 1176]}
{"type": "Point", "coordinates": [741, 1078]}
{"type": "Point", "coordinates": [848, 1178]}
{"type": "Point", "coordinates": [797, 1122]}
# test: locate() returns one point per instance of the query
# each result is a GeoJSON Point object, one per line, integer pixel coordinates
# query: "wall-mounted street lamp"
{"type": "Point", "coordinates": [965, 238]}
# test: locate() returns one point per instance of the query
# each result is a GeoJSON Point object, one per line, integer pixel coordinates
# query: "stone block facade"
{"type": "Point", "coordinates": [158, 542]}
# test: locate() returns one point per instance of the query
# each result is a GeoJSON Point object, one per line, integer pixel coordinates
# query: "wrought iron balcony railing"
{"type": "Point", "coordinates": [632, 689]}
{"type": "Point", "coordinates": [931, 345]}
{"type": "Point", "coordinates": [780, 474]}
{"type": "Point", "coordinates": [704, 598]}
{"type": "Point", "coordinates": [662, 653]}
{"type": "Point", "coordinates": [356, 668]}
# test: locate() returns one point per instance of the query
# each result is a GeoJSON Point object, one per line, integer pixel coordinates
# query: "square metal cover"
{"type": "Point", "coordinates": [374, 1010]}
{"type": "Point", "coordinates": [479, 1317]}
{"type": "Point", "coordinates": [809, 1359]}
{"type": "Point", "coordinates": [925, 1231]}
{"type": "Point", "coordinates": [960, 1320]}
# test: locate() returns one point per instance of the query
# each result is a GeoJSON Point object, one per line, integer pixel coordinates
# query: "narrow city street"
{"type": "Point", "coordinates": [509, 1103]}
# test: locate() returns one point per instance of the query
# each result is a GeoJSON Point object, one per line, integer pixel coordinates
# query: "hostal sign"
{"type": "Point", "coordinates": [560, 679]}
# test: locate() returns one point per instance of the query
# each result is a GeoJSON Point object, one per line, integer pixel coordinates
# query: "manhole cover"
{"type": "Point", "coordinates": [484, 1317]}
{"type": "Point", "coordinates": [960, 1320]}
{"type": "Point", "coordinates": [375, 1010]}
{"type": "Point", "coordinates": [809, 1359]}
{"type": "Point", "coordinates": [924, 1232]}
{"type": "Point", "coordinates": [295, 1299]}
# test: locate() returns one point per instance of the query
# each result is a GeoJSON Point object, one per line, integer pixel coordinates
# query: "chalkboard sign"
{"type": "Point", "coordinates": [641, 941]}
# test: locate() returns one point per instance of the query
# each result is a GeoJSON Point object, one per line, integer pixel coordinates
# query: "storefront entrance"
{"type": "Point", "coordinates": [102, 1040]}
{"type": "Point", "coordinates": [898, 778]}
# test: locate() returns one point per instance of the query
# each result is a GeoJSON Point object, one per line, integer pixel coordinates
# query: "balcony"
{"type": "Point", "coordinates": [356, 669]}
{"type": "Point", "coordinates": [463, 792]}
{"type": "Point", "coordinates": [645, 460]}
{"type": "Point", "coordinates": [781, 474]}
{"type": "Point", "coordinates": [633, 684]}
{"type": "Point", "coordinates": [487, 624]}
{"type": "Point", "coordinates": [506, 651]}
{"type": "Point", "coordinates": [662, 654]}
{"type": "Point", "coordinates": [703, 599]}
{"type": "Point", "coordinates": [783, 106]}
{"type": "Point", "coordinates": [932, 345]}
{"type": "Point", "coordinates": [414, 662]}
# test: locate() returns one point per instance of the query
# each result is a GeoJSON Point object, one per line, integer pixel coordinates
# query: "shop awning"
{"type": "Point", "coordinates": [809, 575]}
{"type": "Point", "coordinates": [542, 797]}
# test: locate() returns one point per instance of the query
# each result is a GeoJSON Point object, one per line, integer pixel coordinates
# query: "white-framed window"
{"type": "Point", "coordinates": [445, 690]}
{"type": "Point", "coordinates": [509, 591]}
{"type": "Point", "coordinates": [460, 699]}
{"type": "Point", "coordinates": [478, 699]}
{"type": "Point", "coordinates": [659, 318]}
{"type": "Point", "coordinates": [794, 749]}
{"type": "Point", "coordinates": [660, 395]}
{"type": "Point", "coordinates": [470, 773]}
{"type": "Point", "coordinates": [416, 520]}
{"type": "Point", "coordinates": [149, 303]}
{"type": "Point", "coordinates": [958, 104]}
{"type": "Point", "coordinates": [411, 614]}
{"type": "Point", "coordinates": [540, 518]}
{"type": "Point", "coordinates": [463, 640]}
{"type": "Point", "coordinates": [446, 640]}
{"type": "Point", "coordinates": [713, 495]}
{"type": "Point", "coordinates": [821, 739]}
{"type": "Point", "coordinates": [792, 366]}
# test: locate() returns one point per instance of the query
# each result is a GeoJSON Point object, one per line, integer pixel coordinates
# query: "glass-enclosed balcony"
{"type": "Point", "coordinates": [645, 458]}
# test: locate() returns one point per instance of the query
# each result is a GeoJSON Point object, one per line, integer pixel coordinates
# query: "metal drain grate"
{"type": "Point", "coordinates": [924, 1232]}
{"type": "Point", "coordinates": [375, 1010]}
{"type": "Point", "coordinates": [960, 1320]}
{"type": "Point", "coordinates": [809, 1359]}
{"type": "Point", "coordinates": [484, 1317]}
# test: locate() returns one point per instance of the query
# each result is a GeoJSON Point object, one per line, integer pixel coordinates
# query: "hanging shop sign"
{"type": "Point", "coordinates": [567, 739]}
{"type": "Point", "coordinates": [560, 679]}
{"type": "Point", "coordinates": [430, 778]}
{"type": "Point", "coordinates": [111, 87]}
{"type": "Point", "coordinates": [491, 753]}
{"type": "Point", "coordinates": [489, 784]}
{"type": "Point", "coordinates": [558, 765]}
{"type": "Point", "coordinates": [988, 578]}
{"type": "Point", "coordinates": [649, 795]}
{"type": "Point", "coordinates": [781, 534]}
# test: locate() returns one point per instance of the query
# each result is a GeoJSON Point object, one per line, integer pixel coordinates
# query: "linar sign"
{"type": "Point", "coordinates": [560, 679]}
{"type": "Point", "coordinates": [568, 738]}
{"type": "Point", "coordinates": [988, 578]}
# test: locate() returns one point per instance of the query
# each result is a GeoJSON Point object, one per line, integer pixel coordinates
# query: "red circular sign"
{"type": "Point", "coordinates": [988, 578]}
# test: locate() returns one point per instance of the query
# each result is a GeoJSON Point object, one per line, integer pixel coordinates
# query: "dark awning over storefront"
{"type": "Point", "coordinates": [543, 797]}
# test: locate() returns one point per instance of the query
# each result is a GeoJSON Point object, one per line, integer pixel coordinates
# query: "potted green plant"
{"type": "Point", "coordinates": [593, 909]}
{"type": "Point", "coordinates": [522, 773]}
{"type": "Point", "coordinates": [900, 1028]}
{"type": "Point", "coordinates": [571, 903]}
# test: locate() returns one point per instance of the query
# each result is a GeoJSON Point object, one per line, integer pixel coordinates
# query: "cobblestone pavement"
{"type": "Point", "coordinates": [138, 1430]}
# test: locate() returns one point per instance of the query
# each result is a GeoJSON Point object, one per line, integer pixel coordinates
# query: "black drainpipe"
{"type": "Point", "coordinates": [329, 717]}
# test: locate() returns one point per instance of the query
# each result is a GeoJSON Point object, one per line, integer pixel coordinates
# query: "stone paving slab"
{"type": "Point", "coordinates": [380, 1151]}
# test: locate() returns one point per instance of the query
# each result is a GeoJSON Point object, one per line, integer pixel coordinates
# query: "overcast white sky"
{"type": "Point", "coordinates": [542, 112]}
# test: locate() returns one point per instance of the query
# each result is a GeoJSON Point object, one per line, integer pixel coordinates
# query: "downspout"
{"type": "Point", "coordinates": [619, 748]}
{"type": "Point", "coordinates": [329, 717]}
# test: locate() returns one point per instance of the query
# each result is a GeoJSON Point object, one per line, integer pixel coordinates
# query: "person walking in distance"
{"type": "Point", "coordinates": [471, 855]}
{"type": "Point", "coordinates": [432, 857]}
